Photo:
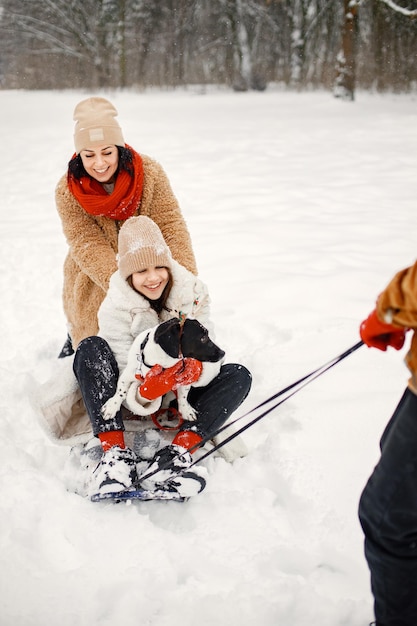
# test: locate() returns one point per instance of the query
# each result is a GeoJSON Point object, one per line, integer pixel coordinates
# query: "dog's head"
{"type": "Point", "coordinates": [196, 343]}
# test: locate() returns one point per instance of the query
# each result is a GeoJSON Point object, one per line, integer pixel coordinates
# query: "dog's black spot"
{"type": "Point", "coordinates": [167, 335]}
{"type": "Point", "coordinates": [196, 343]}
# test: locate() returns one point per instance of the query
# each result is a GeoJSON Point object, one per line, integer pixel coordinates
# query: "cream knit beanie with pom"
{"type": "Point", "coordinates": [141, 245]}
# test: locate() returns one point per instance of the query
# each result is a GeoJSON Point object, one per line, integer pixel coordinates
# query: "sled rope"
{"type": "Point", "coordinates": [294, 388]}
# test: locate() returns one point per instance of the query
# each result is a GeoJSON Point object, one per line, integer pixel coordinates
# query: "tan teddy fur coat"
{"type": "Point", "coordinates": [397, 305]}
{"type": "Point", "coordinates": [92, 242]}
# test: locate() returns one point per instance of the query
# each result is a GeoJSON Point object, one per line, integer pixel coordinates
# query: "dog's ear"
{"type": "Point", "coordinates": [196, 343]}
{"type": "Point", "coordinates": [167, 336]}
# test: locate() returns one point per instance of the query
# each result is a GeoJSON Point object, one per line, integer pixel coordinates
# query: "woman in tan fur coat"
{"type": "Point", "coordinates": [107, 182]}
{"type": "Point", "coordinates": [388, 505]}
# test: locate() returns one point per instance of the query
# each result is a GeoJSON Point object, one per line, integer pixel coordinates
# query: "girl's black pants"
{"type": "Point", "coordinates": [97, 372]}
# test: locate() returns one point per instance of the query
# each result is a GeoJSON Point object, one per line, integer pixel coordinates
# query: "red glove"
{"type": "Point", "coordinates": [377, 334]}
{"type": "Point", "coordinates": [158, 381]}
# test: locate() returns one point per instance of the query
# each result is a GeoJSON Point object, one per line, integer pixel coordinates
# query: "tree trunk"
{"type": "Point", "coordinates": [345, 80]}
{"type": "Point", "coordinates": [121, 44]}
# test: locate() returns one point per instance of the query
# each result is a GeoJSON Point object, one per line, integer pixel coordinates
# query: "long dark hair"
{"type": "Point", "coordinates": [77, 170]}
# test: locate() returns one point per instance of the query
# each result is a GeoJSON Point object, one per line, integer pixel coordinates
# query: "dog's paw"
{"type": "Point", "coordinates": [185, 409]}
{"type": "Point", "coordinates": [110, 408]}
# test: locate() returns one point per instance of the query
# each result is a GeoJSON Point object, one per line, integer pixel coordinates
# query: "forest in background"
{"type": "Point", "coordinates": [241, 44]}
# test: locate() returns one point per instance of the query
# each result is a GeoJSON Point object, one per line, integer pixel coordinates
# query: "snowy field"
{"type": "Point", "coordinates": [301, 208]}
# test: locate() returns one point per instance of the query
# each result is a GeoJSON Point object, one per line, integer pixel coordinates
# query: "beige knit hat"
{"type": "Point", "coordinates": [141, 245]}
{"type": "Point", "coordinates": [96, 124]}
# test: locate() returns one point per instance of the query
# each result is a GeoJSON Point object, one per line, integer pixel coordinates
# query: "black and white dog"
{"type": "Point", "coordinates": [165, 345]}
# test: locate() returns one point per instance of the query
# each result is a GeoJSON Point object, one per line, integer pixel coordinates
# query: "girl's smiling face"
{"type": "Point", "coordinates": [101, 162]}
{"type": "Point", "coordinates": [151, 282]}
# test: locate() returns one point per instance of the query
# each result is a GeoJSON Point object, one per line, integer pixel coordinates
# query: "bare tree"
{"type": "Point", "coordinates": [399, 9]}
{"type": "Point", "coordinates": [85, 32]}
{"type": "Point", "coordinates": [346, 61]}
{"type": "Point", "coordinates": [345, 80]}
{"type": "Point", "coordinates": [244, 44]}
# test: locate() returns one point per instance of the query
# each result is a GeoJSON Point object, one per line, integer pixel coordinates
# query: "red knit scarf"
{"type": "Point", "coordinates": [121, 203]}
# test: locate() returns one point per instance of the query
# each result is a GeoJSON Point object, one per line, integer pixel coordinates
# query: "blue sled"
{"type": "Point", "coordinates": [138, 494]}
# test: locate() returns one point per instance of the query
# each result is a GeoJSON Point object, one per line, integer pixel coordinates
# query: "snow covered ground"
{"type": "Point", "coordinates": [301, 208]}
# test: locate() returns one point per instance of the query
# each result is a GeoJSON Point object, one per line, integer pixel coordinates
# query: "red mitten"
{"type": "Point", "coordinates": [190, 373]}
{"type": "Point", "coordinates": [377, 334]}
{"type": "Point", "coordinates": [158, 381]}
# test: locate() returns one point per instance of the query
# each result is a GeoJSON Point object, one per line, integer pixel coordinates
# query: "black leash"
{"type": "Point", "coordinates": [293, 388]}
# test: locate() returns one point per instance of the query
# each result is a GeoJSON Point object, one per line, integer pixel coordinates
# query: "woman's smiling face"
{"type": "Point", "coordinates": [101, 162]}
